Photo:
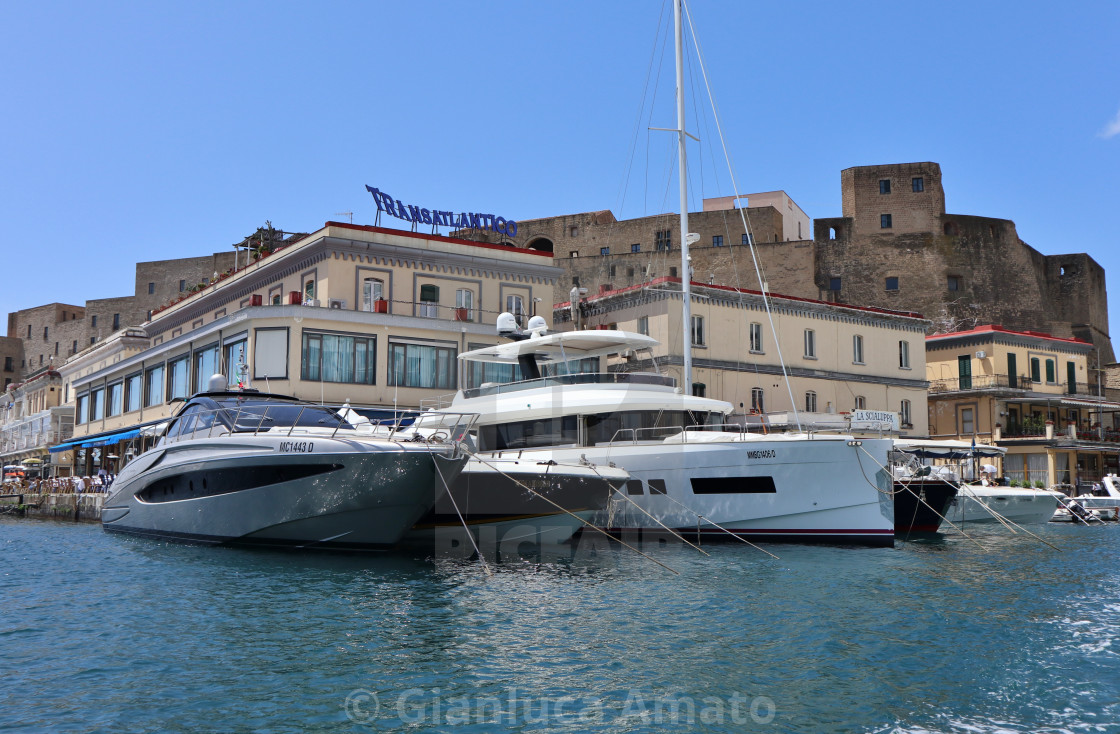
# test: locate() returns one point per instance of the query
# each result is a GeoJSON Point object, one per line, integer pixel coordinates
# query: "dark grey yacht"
{"type": "Point", "coordinates": [248, 468]}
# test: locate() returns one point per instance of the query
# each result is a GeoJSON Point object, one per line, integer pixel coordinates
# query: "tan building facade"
{"type": "Point", "coordinates": [33, 417]}
{"type": "Point", "coordinates": [365, 315]}
{"type": "Point", "coordinates": [839, 359]}
{"type": "Point", "coordinates": [1028, 392]}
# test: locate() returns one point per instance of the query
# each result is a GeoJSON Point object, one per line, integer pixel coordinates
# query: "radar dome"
{"type": "Point", "coordinates": [506, 323]}
{"type": "Point", "coordinates": [538, 325]}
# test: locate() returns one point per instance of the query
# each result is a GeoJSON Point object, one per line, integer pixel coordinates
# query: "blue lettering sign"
{"type": "Point", "coordinates": [439, 217]}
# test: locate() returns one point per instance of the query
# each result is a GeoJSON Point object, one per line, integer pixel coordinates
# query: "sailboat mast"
{"type": "Point", "coordinates": [686, 271]}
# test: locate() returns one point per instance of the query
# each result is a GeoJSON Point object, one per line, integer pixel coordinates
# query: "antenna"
{"type": "Point", "coordinates": [346, 214]}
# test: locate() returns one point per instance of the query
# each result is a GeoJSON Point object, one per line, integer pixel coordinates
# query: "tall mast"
{"type": "Point", "coordinates": [686, 274]}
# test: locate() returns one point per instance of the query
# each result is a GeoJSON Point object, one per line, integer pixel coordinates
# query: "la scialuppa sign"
{"type": "Point", "coordinates": [462, 220]}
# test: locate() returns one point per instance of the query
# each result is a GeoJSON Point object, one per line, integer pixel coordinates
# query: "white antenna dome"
{"type": "Point", "coordinates": [506, 323]}
{"type": "Point", "coordinates": [217, 384]}
{"type": "Point", "coordinates": [538, 325]}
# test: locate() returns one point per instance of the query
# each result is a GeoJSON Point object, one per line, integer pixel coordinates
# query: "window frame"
{"type": "Point", "coordinates": [809, 341]}
{"type": "Point", "coordinates": [133, 389]}
{"type": "Point", "coordinates": [403, 346]}
{"type": "Point", "coordinates": [697, 331]}
{"type": "Point", "coordinates": [857, 349]}
{"type": "Point", "coordinates": [317, 373]}
{"type": "Point", "coordinates": [903, 354]}
{"type": "Point", "coordinates": [756, 344]}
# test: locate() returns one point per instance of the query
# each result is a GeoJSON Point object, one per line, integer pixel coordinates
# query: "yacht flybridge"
{"type": "Point", "coordinates": [690, 469]}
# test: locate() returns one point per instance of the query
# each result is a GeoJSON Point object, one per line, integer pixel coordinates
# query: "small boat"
{"type": "Point", "coordinates": [989, 504]}
{"type": "Point", "coordinates": [254, 469]}
{"type": "Point", "coordinates": [1102, 503]}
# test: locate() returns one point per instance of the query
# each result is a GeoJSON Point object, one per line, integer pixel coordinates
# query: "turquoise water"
{"type": "Point", "coordinates": [104, 633]}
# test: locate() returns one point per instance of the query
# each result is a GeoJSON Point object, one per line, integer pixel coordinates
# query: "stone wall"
{"type": "Point", "coordinates": [957, 270]}
{"type": "Point", "coordinates": [159, 281]}
{"type": "Point", "coordinates": [71, 329]}
{"type": "Point", "coordinates": [11, 355]}
{"type": "Point", "coordinates": [47, 333]}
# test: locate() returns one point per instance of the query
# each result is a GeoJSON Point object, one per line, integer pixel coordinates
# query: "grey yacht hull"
{"type": "Point", "coordinates": [343, 495]}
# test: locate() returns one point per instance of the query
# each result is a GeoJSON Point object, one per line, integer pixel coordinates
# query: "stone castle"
{"type": "Point", "coordinates": [895, 247]}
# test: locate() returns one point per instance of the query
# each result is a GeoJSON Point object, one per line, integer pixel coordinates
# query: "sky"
{"type": "Point", "coordinates": [146, 131]}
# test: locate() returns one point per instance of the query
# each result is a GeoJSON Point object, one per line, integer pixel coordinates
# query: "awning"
{"type": "Point", "coordinates": [1103, 405]}
{"type": "Point", "coordinates": [934, 449]}
{"type": "Point", "coordinates": [112, 438]}
{"type": "Point", "coordinates": [87, 441]}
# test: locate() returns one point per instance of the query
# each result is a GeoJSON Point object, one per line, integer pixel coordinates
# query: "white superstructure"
{"type": "Point", "coordinates": [691, 471]}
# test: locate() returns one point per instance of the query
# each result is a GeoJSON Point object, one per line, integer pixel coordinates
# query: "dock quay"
{"type": "Point", "coordinates": [82, 507]}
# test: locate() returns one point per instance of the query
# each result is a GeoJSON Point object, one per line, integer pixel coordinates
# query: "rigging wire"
{"type": "Point", "coordinates": [746, 225]}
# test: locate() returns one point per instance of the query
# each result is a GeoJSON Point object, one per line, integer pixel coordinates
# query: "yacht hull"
{"type": "Point", "coordinates": [517, 500]}
{"type": "Point", "coordinates": [1022, 506]}
{"type": "Point", "coordinates": [347, 495]}
{"type": "Point", "coordinates": [921, 506]}
{"type": "Point", "coordinates": [761, 488]}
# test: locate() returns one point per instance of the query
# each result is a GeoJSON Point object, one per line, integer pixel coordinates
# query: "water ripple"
{"type": "Point", "coordinates": [101, 633]}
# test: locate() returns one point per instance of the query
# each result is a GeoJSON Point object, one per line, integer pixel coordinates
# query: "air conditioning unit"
{"type": "Point", "coordinates": [981, 355]}
{"type": "Point", "coordinates": [338, 303]}
{"type": "Point", "coordinates": [313, 302]}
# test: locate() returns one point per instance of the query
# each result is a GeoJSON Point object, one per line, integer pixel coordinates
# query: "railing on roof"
{"type": "Point", "coordinates": [584, 378]}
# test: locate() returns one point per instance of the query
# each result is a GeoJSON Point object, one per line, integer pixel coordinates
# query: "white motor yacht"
{"type": "Point", "coordinates": [247, 468]}
{"type": "Point", "coordinates": [989, 504]}
{"type": "Point", "coordinates": [690, 471]}
{"type": "Point", "coordinates": [1103, 502]}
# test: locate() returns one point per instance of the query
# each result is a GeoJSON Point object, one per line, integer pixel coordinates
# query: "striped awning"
{"type": "Point", "coordinates": [1102, 404]}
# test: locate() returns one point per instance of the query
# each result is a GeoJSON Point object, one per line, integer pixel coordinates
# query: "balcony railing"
{"type": "Point", "coordinates": [981, 382]}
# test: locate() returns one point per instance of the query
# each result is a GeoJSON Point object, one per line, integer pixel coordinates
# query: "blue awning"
{"type": "Point", "coordinates": [96, 440]}
{"type": "Point", "coordinates": [112, 438]}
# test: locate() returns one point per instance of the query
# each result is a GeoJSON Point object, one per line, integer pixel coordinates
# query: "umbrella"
{"type": "Point", "coordinates": [32, 461]}
{"type": "Point", "coordinates": [988, 468]}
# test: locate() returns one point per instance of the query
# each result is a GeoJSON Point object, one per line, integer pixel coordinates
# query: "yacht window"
{"type": "Point", "coordinates": [733, 485]}
{"type": "Point", "coordinates": [529, 434]}
{"type": "Point", "coordinates": [634, 486]}
{"type": "Point", "coordinates": [184, 424]}
{"type": "Point", "coordinates": [643, 424]}
{"type": "Point", "coordinates": [247, 415]}
{"type": "Point", "coordinates": [657, 486]}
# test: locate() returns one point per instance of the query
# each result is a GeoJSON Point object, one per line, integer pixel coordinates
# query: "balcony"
{"type": "Point", "coordinates": [981, 382]}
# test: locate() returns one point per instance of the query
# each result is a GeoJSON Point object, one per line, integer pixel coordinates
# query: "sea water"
{"type": "Point", "coordinates": [997, 632]}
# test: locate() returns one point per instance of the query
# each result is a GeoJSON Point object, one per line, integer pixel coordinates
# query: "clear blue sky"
{"type": "Point", "coordinates": [141, 131]}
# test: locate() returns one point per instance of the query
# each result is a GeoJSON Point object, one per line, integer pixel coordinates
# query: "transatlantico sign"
{"type": "Point", "coordinates": [462, 220]}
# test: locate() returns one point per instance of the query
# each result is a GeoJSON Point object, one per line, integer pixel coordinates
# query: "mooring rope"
{"type": "Point", "coordinates": [572, 514]}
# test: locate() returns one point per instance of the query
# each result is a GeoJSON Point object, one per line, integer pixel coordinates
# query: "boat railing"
{"type": "Point", "coordinates": [742, 430]}
{"type": "Point", "coordinates": [580, 378]}
{"type": "Point", "coordinates": [438, 425]}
